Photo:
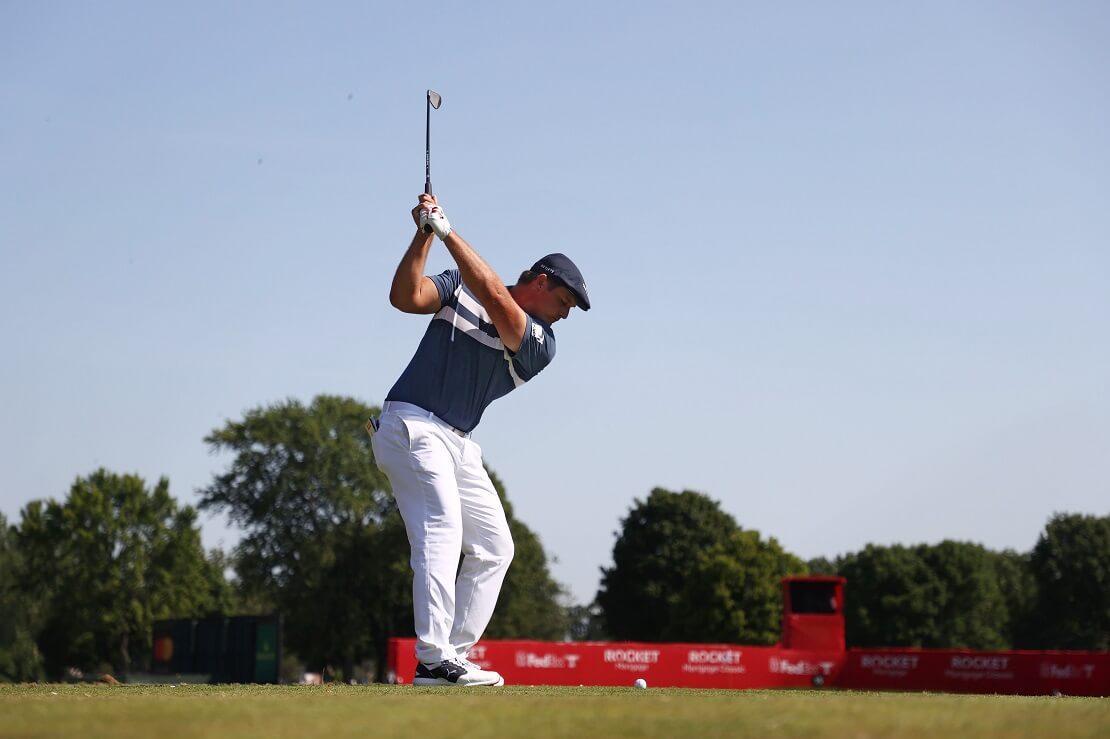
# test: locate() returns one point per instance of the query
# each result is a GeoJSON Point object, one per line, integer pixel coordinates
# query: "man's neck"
{"type": "Point", "coordinates": [518, 293]}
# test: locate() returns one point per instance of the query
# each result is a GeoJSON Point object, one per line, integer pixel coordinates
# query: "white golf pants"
{"type": "Point", "coordinates": [449, 507]}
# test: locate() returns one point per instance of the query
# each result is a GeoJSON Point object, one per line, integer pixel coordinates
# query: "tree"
{"type": "Point", "coordinates": [304, 487]}
{"type": "Point", "coordinates": [735, 593]}
{"type": "Point", "coordinates": [221, 592]}
{"type": "Point", "coordinates": [821, 566]}
{"type": "Point", "coordinates": [972, 611]}
{"type": "Point", "coordinates": [893, 599]}
{"type": "Point", "coordinates": [585, 623]}
{"type": "Point", "coordinates": [20, 659]}
{"type": "Point", "coordinates": [656, 554]}
{"type": "Point", "coordinates": [111, 559]}
{"type": "Point", "coordinates": [942, 596]}
{"type": "Point", "coordinates": [1071, 566]}
{"type": "Point", "coordinates": [1019, 591]}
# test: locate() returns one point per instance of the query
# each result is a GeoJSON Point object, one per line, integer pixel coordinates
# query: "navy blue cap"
{"type": "Point", "coordinates": [560, 267]}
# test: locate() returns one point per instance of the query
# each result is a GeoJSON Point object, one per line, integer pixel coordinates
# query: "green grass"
{"type": "Point", "coordinates": [327, 712]}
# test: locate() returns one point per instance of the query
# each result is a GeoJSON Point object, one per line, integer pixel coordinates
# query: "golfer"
{"type": "Point", "coordinates": [484, 340]}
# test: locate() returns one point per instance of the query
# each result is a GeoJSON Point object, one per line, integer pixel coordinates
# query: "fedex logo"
{"type": "Point", "coordinates": [547, 661]}
{"type": "Point", "coordinates": [799, 667]}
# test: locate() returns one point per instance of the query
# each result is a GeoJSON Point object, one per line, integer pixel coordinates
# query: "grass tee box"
{"type": "Point", "coordinates": [333, 711]}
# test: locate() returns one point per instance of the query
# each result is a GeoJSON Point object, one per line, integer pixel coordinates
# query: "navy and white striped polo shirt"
{"type": "Point", "coordinates": [461, 366]}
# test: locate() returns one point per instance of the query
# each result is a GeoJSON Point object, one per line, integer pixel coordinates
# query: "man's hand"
{"type": "Point", "coordinates": [428, 213]}
{"type": "Point", "coordinates": [432, 215]}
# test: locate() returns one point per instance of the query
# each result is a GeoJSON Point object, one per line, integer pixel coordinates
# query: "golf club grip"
{"type": "Point", "coordinates": [427, 191]}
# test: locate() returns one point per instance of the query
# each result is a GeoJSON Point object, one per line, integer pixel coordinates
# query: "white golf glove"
{"type": "Point", "coordinates": [437, 220]}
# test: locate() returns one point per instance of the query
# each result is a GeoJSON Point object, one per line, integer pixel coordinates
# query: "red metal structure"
{"type": "Point", "coordinates": [813, 613]}
{"type": "Point", "coordinates": [812, 652]}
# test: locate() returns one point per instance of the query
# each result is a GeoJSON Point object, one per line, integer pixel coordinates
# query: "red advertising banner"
{"type": "Point", "coordinates": [960, 671]}
{"type": "Point", "coordinates": [661, 665]}
{"type": "Point", "coordinates": [733, 666]}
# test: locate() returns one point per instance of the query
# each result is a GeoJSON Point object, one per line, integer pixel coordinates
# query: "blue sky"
{"type": "Point", "coordinates": [850, 263]}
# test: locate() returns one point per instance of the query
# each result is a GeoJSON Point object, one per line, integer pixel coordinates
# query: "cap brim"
{"type": "Point", "coordinates": [583, 301]}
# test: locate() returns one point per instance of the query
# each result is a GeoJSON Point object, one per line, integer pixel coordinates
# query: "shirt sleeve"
{"type": "Point", "coordinates": [536, 350]}
{"type": "Point", "coordinates": [447, 283]}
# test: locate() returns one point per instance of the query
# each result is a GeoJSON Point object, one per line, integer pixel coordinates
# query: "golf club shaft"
{"type": "Point", "coordinates": [428, 150]}
{"type": "Point", "coordinates": [428, 154]}
{"type": "Point", "coordinates": [432, 100]}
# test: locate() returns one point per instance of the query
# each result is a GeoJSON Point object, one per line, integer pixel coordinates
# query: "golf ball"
{"type": "Point", "coordinates": [640, 683]}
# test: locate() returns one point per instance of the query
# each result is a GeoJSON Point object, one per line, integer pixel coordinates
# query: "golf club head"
{"type": "Point", "coordinates": [434, 99]}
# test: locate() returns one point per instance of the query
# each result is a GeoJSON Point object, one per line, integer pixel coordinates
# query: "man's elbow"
{"type": "Point", "coordinates": [408, 303]}
{"type": "Point", "coordinates": [400, 301]}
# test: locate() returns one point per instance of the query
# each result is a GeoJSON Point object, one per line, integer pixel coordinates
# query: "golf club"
{"type": "Point", "coordinates": [434, 101]}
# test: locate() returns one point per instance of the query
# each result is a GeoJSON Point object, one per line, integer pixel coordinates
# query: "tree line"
{"type": "Point", "coordinates": [684, 570]}
{"type": "Point", "coordinates": [83, 579]}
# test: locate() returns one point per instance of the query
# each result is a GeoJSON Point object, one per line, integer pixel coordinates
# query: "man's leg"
{"type": "Point", "coordinates": [421, 471]}
{"type": "Point", "coordinates": [487, 548]}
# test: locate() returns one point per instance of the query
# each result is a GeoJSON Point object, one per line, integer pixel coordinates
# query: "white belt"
{"type": "Point", "coordinates": [397, 406]}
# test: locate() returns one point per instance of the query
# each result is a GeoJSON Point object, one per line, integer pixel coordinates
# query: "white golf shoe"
{"type": "Point", "coordinates": [471, 666]}
{"type": "Point", "coordinates": [456, 673]}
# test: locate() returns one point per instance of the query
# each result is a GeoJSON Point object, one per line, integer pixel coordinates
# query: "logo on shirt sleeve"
{"type": "Point", "coordinates": [537, 333]}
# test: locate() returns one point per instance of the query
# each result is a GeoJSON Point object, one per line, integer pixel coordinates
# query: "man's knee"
{"type": "Point", "coordinates": [499, 550]}
{"type": "Point", "coordinates": [507, 550]}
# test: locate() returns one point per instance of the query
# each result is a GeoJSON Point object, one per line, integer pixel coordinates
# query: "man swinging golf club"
{"type": "Point", "coordinates": [484, 340]}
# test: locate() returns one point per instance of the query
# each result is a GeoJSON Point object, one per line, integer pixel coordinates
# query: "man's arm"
{"type": "Point", "coordinates": [507, 316]}
{"type": "Point", "coordinates": [412, 291]}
